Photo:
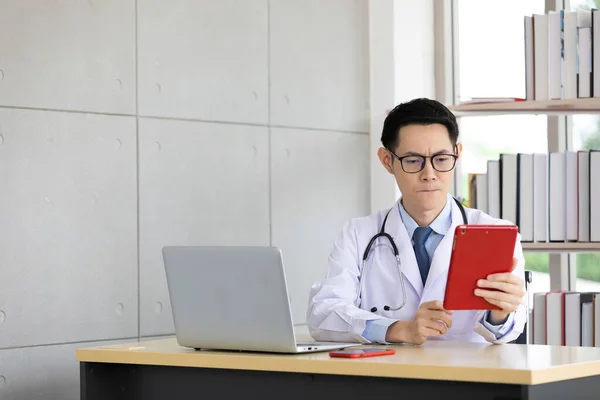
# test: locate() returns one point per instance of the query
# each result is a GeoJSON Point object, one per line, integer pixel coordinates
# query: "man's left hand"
{"type": "Point", "coordinates": [508, 293]}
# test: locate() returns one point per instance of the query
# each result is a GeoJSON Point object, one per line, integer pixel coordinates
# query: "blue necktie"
{"type": "Point", "coordinates": [419, 237]}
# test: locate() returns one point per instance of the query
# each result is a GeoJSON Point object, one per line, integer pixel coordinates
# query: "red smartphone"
{"type": "Point", "coordinates": [477, 251]}
{"type": "Point", "coordinates": [357, 353]}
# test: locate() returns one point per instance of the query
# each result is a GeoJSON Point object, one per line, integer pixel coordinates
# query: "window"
{"type": "Point", "coordinates": [586, 136]}
{"type": "Point", "coordinates": [484, 45]}
{"type": "Point", "coordinates": [492, 64]}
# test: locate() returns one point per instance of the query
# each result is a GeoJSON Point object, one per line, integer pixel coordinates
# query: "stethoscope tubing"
{"type": "Point", "coordinates": [382, 233]}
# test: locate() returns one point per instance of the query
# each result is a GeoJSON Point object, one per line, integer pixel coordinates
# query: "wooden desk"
{"type": "Point", "coordinates": [163, 370]}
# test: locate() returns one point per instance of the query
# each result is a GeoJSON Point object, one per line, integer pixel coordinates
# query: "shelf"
{"type": "Point", "coordinates": [562, 247]}
{"type": "Point", "coordinates": [550, 107]}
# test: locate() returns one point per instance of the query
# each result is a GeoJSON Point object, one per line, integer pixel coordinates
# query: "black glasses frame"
{"type": "Point", "coordinates": [424, 159]}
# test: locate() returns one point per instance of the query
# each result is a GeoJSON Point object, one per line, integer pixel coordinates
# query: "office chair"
{"type": "Point", "coordinates": [522, 339]}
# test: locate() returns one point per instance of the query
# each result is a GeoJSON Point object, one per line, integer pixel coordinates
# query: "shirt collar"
{"type": "Point", "coordinates": [440, 225]}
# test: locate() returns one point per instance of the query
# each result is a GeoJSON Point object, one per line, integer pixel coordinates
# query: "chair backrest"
{"type": "Point", "coordinates": [522, 339]}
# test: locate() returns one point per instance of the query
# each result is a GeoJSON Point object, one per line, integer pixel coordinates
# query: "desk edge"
{"type": "Point", "coordinates": [322, 367]}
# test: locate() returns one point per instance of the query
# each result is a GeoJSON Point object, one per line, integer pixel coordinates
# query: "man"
{"type": "Point", "coordinates": [420, 149]}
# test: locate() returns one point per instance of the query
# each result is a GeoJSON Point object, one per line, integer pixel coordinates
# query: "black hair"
{"type": "Point", "coordinates": [420, 111]}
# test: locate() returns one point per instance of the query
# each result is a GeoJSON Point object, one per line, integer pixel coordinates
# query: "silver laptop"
{"type": "Point", "coordinates": [233, 298]}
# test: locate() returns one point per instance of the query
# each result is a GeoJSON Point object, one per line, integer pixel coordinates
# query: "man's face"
{"type": "Point", "coordinates": [426, 189]}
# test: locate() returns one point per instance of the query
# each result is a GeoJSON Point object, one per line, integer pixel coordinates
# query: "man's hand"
{"type": "Point", "coordinates": [431, 320]}
{"type": "Point", "coordinates": [508, 293]}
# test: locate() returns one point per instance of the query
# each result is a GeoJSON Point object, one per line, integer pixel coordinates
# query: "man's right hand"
{"type": "Point", "coordinates": [431, 320]}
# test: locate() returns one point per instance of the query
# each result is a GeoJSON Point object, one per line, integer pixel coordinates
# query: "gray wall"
{"type": "Point", "coordinates": [126, 126]}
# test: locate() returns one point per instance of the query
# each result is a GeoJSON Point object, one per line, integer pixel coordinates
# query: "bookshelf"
{"type": "Point", "coordinates": [547, 107]}
{"type": "Point", "coordinates": [559, 65]}
{"type": "Point", "coordinates": [561, 247]}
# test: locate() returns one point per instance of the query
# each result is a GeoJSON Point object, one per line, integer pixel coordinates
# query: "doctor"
{"type": "Point", "coordinates": [420, 150]}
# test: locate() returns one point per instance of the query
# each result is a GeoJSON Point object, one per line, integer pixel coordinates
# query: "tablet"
{"type": "Point", "coordinates": [477, 251]}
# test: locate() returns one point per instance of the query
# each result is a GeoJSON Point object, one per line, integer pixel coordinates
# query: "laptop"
{"type": "Point", "coordinates": [233, 298]}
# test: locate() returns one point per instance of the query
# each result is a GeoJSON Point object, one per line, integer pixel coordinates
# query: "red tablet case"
{"type": "Point", "coordinates": [477, 251]}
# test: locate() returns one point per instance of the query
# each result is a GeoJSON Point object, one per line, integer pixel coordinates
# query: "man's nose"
{"type": "Point", "coordinates": [428, 173]}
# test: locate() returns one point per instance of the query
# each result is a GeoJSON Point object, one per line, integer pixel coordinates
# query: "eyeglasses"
{"type": "Point", "coordinates": [415, 163]}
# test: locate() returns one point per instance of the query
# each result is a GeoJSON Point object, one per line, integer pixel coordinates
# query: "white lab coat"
{"type": "Point", "coordinates": [332, 314]}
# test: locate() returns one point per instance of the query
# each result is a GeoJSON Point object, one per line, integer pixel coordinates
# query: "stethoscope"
{"type": "Point", "coordinates": [382, 233]}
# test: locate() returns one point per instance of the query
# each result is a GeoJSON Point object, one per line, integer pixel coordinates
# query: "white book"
{"type": "Point", "coordinates": [583, 194]}
{"type": "Point", "coordinates": [556, 197]}
{"type": "Point", "coordinates": [584, 53]}
{"type": "Point", "coordinates": [555, 333]}
{"type": "Point", "coordinates": [540, 55]}
{"type": "Point", "coordinates": [482, 192]}
{"type": "Point", "coordinates": [569, 58]}
{"type": "Point", "coordinates": [587, 324]}
{"type": "Point", "coordinates": [584, 65]}
{"type": "Point", "coordinates": [539, 318]}
{"type": "Point", "coordinates": [554, 55]}
{"type": "Point", "coordinates": [529, 66]}
{"type": "Point", "coordinates": [571, 202]}
{"type": "Point", "coordinates": [540, 197]}
{"type": "Point", "coordinates": [596, 53]}
{"type": "Point", "coordinates": [573, 319]}
{"type": "Point", "coordinates": [587, 319]}
{"type": "Point", "coordinates": [525, 196]}
{"type": "Point", "coordinates": [594, 196]}
{"type": "Point", "coordinates": [508, 179]}
{"type": "Point", "coordinates": [493, 186]}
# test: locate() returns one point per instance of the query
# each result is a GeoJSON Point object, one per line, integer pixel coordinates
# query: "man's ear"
{"type": "Point", "coordinates": [459, 148]}
{"type": "Point", "coordinates": [386, 159]}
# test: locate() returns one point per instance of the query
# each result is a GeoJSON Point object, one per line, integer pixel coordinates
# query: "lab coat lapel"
{"type": "Point", "coordinates": [395, 227]}
{"type": "Point", "coordinates": [441, 256]}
